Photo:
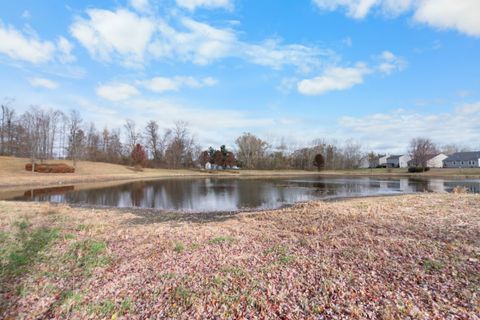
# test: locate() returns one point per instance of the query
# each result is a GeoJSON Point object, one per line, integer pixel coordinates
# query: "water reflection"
{"type": "Point", "coordinates": [234, 194]}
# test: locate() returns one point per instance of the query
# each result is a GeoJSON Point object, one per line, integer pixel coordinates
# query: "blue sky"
{"type": "Point", "coordinates": [376, 71]}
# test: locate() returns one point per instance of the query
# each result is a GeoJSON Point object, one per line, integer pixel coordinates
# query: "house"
{"type": "Point", "coordinates": [382, 161]}
{"type": "Point", "coordinates": [463, 160]}
{"type": "Point", "coordinates": [398, 161]}
{"type": "Point", "coordinates": [437, 161]}
{"type": "Point", "coordinates": [434, 161]}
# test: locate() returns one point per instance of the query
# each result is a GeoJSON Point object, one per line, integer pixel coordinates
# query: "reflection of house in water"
{"type": "Point", "coordinates": [471, 186]}
{"type": "Point", "coordinates": [436, 185]}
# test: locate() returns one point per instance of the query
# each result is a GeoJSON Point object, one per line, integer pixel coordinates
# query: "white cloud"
{"type": "Point", "coordinates": [200, 43]}
{"type": "Point", "coordinates": [162, 84]}
{"type": "Point", "coordinates": [400, 126]}
{"type": "Point", "coordinates": [65, 48]}
{"type": "Point", "coordinates": [461, 15]}
{"type": "Point", "coordinates": [18, 46]}
{"type": "Point", "coordinates": [26, 14]}
{"type": "Point", "coordinates": [334, 79]}
{"type": "Point", "coordinates": [355, 8]}
{"type": "Point", "coordinates": [272, 53]}
{"type": "Point", "coordinates": [131, 38]}
{"type": "Point", "coordinates": [122, 33]}
{"type": "Point", "coordinates": [117, 91]}
{"type": "Point", "coordinates": [141, 5]}
{"type": "Point", "coordinates": [390, 63]}
{"type": "Point", "coordinates": [209, 4]}
{"type": "Point", "coordinates": [43, 83]}
{"type": "Point", "coordinates": [203, 44]}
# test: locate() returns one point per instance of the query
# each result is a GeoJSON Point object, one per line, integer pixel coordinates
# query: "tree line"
{"type": "Point", "coordinates": [41, 134]}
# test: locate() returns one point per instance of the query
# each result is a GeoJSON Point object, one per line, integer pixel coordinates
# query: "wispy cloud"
{"type": "Point", "coordinates": [43, 83]}
{"type": "Point", "coordinates": [116, 91]}
{"type": "Point", "coordinates": [461, 15]}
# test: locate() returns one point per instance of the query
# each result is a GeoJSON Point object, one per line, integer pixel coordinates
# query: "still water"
{"type": "Point", "coordinates": [220, 194]}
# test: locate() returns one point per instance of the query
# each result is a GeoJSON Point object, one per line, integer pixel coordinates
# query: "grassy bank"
{"type": "Point", "coordinates": [13, 174]}
{"type": "Point", "coordinates": [414, 256]}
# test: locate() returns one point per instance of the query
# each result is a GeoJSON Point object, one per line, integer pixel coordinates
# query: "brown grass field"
{"type": "Point", "coordinates": [403, 257]}
{"type": "Point", "coordinates": [13, 174]}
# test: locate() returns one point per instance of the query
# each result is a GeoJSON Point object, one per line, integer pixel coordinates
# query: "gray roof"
{"type": "Point", "coordinates": [464, 156]}
{"type": "Point", "coordinates": [395, 157]}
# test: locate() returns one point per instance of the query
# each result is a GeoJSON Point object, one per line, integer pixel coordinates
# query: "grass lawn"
{"type": "Point", "coordinates": [404, 257]}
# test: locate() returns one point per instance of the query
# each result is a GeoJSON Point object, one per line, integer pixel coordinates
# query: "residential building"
{"type": "Point", "coordinates": [434, 161]}
{"type": "Point", "coordinates": [463, 160]}
{"type": "Point", "coordinates": [398, 161]}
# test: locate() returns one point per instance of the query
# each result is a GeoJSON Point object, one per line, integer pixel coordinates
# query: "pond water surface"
{"type": "Point", "coordinates": [227, 194]}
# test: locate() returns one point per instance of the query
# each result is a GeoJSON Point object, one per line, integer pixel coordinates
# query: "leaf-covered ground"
{"type": "Point", "coordinates": [406, 257]}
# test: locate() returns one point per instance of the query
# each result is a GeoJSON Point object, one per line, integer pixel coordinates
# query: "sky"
{"type": "Point", "coordinates": [379, 72]}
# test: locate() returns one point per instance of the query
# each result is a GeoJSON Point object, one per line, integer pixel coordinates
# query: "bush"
{"type": "Point", "coordinates": [50, 168]}
{"type": "Point", "coordinates": [418, 169]}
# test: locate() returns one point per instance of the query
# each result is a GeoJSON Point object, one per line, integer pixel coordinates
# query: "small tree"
{"type": "Point", "coordinates": [230, 160]}
{"type": "Point", "coordinates": [319, 162]}
{"type": "Point", "coordinates": [139, 157]}
{"type": "Point", "coordinates": [204, 158]}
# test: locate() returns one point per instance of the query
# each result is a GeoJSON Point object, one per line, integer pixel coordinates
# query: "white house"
{"type": "Point", "coordinates": [463, 160]}
{"type": "Point", "coordinates": [436, 161]}
{"type": "Point", "coordinates": [382, 161]}
{"type": "Point", "coordinates": [398, 161]}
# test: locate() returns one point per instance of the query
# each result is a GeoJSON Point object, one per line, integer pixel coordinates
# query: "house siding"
{"type": "Point", "coordinates": [462, 164]}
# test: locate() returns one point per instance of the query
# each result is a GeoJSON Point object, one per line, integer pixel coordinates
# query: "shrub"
{"type": "Point", "coordinates": [418, 169]}
{"type": "Point", "coordinates": [51, 168]}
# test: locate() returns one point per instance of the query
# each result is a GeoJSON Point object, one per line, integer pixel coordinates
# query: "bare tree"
{"type": "Point", "coordinates": [7, 129]}
{"type": "Point", "coordinates": [31, 126]}
{"type": "Point", "coordinates": [132, 135]}
{"type": "Point", "coordinates": [152, 140]}
{"type": "Point", "coordinates": [76, 136]}
{"type": "Point", "coordinates": [181, 147]}
{"type": "Point", "coordinates": [421, 150]}
{"type": "Point", "coordinates": [251, 150]}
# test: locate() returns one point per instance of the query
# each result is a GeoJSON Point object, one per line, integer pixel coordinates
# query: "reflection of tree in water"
{"type": "Point", "coordinates": [251, 192]}
{"type": "Point", "coordinates": [137, 194]}
{"type": "Point", "coordinates": [419, 185]}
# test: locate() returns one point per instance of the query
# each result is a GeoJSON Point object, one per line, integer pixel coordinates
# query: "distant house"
{"type": "Point", "coordinates": [208, 166]}
{"type": "Point", "coordinates": [437, 161]}
{"type": "Point", "coordinates": [398, 161]}
{"type": "Point", "coordinates": [434, 161]}
{"type": "Point", "coordinates": [382, 161]}
{"type": "Point", "coordinates": [463, 160]}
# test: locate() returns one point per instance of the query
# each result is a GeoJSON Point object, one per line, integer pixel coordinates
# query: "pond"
{"type": "Point", "coordinates": [227, 194]}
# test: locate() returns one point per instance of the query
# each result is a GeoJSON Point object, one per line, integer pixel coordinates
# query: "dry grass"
{"type": "Point", "coordinates": [406, 257]}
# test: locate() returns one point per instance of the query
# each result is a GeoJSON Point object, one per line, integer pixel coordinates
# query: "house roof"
{"type": "Point", "coordinates": [395, 157]}
{"type": "Point", "coordinates": [464, 156]}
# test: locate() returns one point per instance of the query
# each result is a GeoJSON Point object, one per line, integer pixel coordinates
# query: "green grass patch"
{"type": "Point", "coordinates": [21, 252]}
{"type": "Point", "coordinates": [179, 247]}
{"type": "Point", "coordinates": [221, 240]}
{"type": "Point", "coordinates": [89, 254]}
{"type": "Point", "coordinates": [282, 254]}
{"type": "Point", "coordinates": [235, 271]}
{"type": "Point", "coordinates": [432, 265]}
{"type": "Point", "coordinates": [183, 296]}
